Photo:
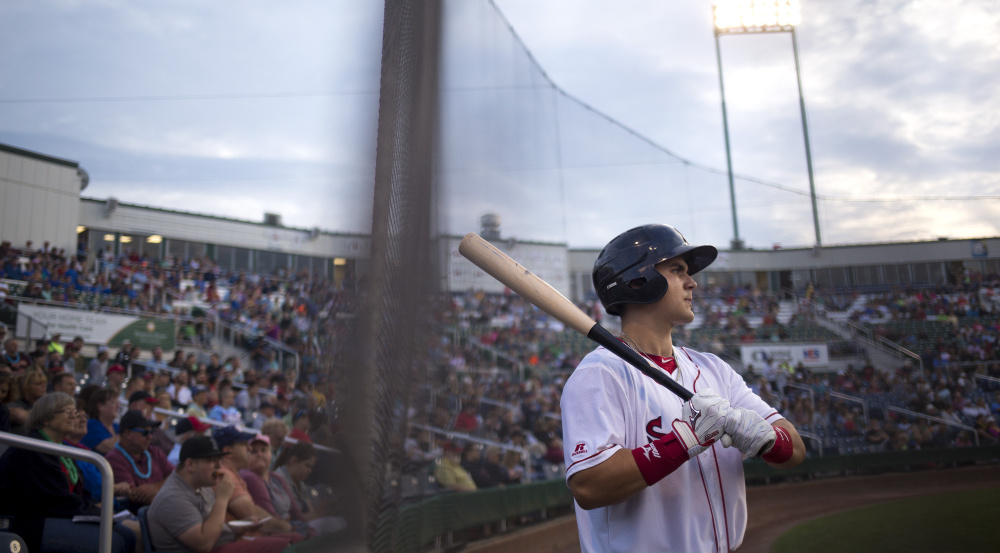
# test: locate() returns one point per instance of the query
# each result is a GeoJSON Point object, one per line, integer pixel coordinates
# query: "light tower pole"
{"type": "Point", "coordinates": [754, 17]}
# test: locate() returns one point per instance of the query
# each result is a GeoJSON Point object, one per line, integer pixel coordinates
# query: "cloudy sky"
{"type": "Point", "coordinates": [613, 119]}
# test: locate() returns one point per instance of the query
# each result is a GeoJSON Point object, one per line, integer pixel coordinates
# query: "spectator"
{"type": "Point", "coordinates": [449, 472]}
{"type": "Point", "coordinates": [497, 472]}
{"type": "Point", "coordinates": [115, 378]}
{"type": "Point", "coordinates": [236, 445]}
{"type": "Point", "coordinates": [102, 430]}
{"type": "Point", "coordinates": [92, 478]}
{"type": "Point", "coordinates": [472, 457]}
{"type": "Point", "coordinates": [301, 422]}
{"type": "Point", "coordinates": [199, 399]}
{"type": "Point", "coordinates": [143, 402]}
{"type": "Point", "coordinates": [64, 382]}
{"type": "Point", "coordinates": [275, 430]}
{"type": "Point", "coordinates": [185, 429]}
{"type": "Point", "coordinates": [269, 490]}
{"type": "Point", "coordinates": [264, 413]}
{"type": "Point", "coordinates": [28, 388]}
{"type": "Point", "coordinates": [225, 411]}
{"type": "Point", "coordinates": [12, 358]}
{"type": "Point", "coordinates": [189, 514]}
{"type": "Point", "coordinates": [179, 392]}
{"type": "Point", "coordinates": [49, 491]}
{"type": "Point", "coordinates": [124, 355]}
{"type": "Point", "coordinates": [72, 362]}
{"type": "Point", "coordinates": [133, 461]}
{"type": "Point", "coordinates": [294, 465]}
{"type": "Point", "coordinates": [875, 436]}
{"type": "Point", "coordinates": [468, 419]}
{"type": "Point", "coordinates": [98, 367]}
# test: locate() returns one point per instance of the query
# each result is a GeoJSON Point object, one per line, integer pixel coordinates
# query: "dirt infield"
{"type": "Point", "coordinates": [777, 508]}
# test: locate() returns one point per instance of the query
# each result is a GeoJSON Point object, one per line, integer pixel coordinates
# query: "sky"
{"type": "Point", "coordinates": [580, 120]}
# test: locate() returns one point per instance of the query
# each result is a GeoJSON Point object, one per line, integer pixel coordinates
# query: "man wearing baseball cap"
{"type": "Point", "coordinates": [236, 445]}
{"type": "Point", "coordinates": [188, 514]}
{"type": "Point", "coordinates": [184, 430]}
{"type": "Point", "coordinates": [143, 401]}
{"type": "Point", "coordinates": [134, 462]}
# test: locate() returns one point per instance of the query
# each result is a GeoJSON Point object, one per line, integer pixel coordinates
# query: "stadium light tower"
{"type": "Point", "coordinates": [753, 17]}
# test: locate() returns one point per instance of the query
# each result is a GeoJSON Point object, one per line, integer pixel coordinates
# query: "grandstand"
{"type": "Point", "coordinates": [908, 330]}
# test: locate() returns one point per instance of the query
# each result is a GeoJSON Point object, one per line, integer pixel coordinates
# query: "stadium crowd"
{"type": "Point", "coordinates": [472, 425]}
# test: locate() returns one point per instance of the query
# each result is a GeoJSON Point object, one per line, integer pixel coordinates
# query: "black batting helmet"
{"type": "Point", "coordinates": [624, 273]}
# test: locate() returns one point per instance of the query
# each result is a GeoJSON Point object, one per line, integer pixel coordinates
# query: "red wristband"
{"type": "Point", "coordinates": [659, 458]}
{"type": "Point", "coordinates": [782, 449]}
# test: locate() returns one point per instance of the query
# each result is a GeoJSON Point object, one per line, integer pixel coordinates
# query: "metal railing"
{"type": "Point", "coordinates": [242, 428]}
{"type": "Point", "coordinates": [451, 434]}
{"type": "Point", "coordinates": [107, 477]}
{"type": "Point", "coordinates": [935, 419]}
{"type": "Point", "coordinates": [845, 397]}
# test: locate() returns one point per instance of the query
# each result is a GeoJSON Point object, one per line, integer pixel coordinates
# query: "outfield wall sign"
{"type": "Point", "coordinates": [810, 355]}
{"type": "Point", "coordinates": [98, 328]}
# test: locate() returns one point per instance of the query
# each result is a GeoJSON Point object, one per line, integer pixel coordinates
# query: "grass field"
{"type": "Point", "coordinates": [964, 522]}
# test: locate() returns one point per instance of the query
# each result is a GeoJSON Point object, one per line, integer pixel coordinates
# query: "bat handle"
{"type": "Point", "coordinates": [601, 335]}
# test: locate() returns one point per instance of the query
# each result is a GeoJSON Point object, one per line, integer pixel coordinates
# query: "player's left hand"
{"type": "Point", "coordinates": [749, 432]}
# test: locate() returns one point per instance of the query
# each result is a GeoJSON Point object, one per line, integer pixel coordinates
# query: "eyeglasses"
{"type": "Point", "coordinates": [144, 432]}
{"type": "Point", "coordinates": [69, 412]}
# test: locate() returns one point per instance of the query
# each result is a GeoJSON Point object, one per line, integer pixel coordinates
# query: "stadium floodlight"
{"type": "Point", "coordinates": [756, 16]}
{"type": "Point", "coordinates": [761, 16]}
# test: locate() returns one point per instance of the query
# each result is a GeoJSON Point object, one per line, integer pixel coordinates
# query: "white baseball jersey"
{"type": "Point", "coordinates": [608, 405]}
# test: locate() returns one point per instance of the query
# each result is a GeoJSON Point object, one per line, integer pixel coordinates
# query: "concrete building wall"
{"type": "Point", "coordinates": [39, 198]}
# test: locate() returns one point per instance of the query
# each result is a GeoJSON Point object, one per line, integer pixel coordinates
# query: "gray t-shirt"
{"type": "Point", "coordinates": [176, 508]}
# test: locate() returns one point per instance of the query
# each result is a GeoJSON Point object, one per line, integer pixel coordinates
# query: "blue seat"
{"type": "Point", "coordinates": [147, 542]}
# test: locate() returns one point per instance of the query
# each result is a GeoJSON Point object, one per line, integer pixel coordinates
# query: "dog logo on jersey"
{"type": "Point", "coordinates": [581, 448]}
{"type": "Point", "coordinates": [653, 429]}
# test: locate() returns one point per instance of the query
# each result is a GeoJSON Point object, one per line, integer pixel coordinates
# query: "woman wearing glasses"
{"type": "Point", "coordinates": [45, 492]}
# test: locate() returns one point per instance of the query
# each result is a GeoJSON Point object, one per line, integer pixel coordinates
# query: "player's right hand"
{"type": "Point", "coordinates": [704, 421]}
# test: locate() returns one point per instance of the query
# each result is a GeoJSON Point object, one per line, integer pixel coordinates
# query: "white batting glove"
{"type": "Point", "coordinates": [749, 432]}
{"type": "Point", "coordinates": [704, 421]}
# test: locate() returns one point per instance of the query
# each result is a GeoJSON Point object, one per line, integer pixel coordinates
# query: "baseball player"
{"type": "Point", "coordinates": [649, 471]}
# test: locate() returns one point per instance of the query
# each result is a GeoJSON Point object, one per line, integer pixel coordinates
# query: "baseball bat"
{"type": "Point", "coordinates": [543, 296]}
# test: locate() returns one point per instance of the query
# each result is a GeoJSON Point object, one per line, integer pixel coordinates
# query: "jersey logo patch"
{"type": "Point", "coordinates": [653, 429]}
{"type": "Point", "coordinates": [581, 448]}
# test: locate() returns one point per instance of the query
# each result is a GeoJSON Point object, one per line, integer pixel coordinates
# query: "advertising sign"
{"type": "Point", "coordinates": [811, 355]}
{"type": "Point", "coordinates": [97, 328]}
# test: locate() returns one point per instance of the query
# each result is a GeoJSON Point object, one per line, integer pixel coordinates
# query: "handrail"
{"type": "Point", "coordinates": [107, 477]}
{"type": "Point", "coordinates": [814, 437]}
{"type": "Point", "coordinates": [864, 404]}
{"type": "Point", "coordinates": [213, 422]}
{"type": "Point", "coordinates": [812, 393]}
{"type": "Point", "coordinates": [469, 438]}
{"type": "Point", "coordinates": [937, 419]}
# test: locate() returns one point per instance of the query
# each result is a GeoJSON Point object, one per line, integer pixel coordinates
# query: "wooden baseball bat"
{"type": "Point", "coordinates": [543, 296]}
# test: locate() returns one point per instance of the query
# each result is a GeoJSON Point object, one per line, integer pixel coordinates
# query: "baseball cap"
{"type": "Point", "coordinates": [142, 395]}
{"type": "Point", "coordinates": [135, 419]}
{"type": "Point", "coordinates": [102, 349]}
{"type": "Point", "coordinates": [189, 424]}
{"type": "Point", "coordinates": [261, 438]}
{"type": "Point", "coordinates": [195, 390]}
{"type": "Point", "coordinates": [200, 447]}
{"type": "Point", "coordinates": [229, 435]}
{"type": "Point", "coordinates": [116, 368]}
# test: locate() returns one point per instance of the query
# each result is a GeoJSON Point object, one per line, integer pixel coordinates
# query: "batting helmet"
{"type": "Point", "coordinates": [624, 271]}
